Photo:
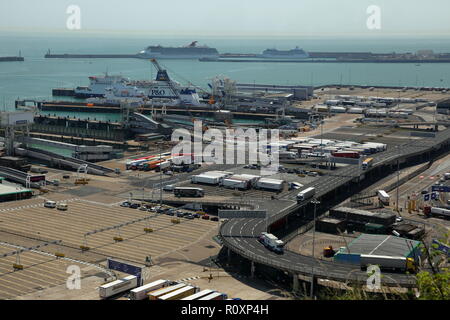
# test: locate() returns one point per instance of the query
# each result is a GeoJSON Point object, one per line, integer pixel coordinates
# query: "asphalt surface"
{"type": "Point", "coordinates": [240, 235]}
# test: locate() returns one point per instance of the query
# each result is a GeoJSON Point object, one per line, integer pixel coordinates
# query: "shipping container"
{"type": "Point", "coordinates": [140, 293]}
{"type": "Point", "coordinates": [118, 286]}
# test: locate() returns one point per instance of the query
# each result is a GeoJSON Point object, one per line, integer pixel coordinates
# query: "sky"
{"type": "Point", "coordinates": [230, 17]}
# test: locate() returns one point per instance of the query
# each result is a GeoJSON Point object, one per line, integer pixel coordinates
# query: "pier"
{"type": "Point", "coordinates": [11, 59]}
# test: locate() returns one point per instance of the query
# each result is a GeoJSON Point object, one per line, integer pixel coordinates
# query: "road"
{"type": "Point", "coordinates": [240, 235]}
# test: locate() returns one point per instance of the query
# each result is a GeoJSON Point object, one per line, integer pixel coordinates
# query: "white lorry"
{"type": "Point", "coordinates": [271, 242]}
{"type": "Point", "coordinates": [140, 293]}
{"type": "Point", "coordinates": [384, 197]}
{"type": "Point", "coordinates": [306, 194]}
{"type": "Point", "coordinates": [118, 286]}
{"type": "Point", "coordinates": [270, 184]}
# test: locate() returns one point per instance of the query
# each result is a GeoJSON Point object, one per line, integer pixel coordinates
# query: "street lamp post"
{"type": "Point", "coordinates": [315, 202]}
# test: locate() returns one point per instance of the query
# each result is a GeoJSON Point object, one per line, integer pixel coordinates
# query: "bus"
{"type": "Point", "coordinates": [188, 192]}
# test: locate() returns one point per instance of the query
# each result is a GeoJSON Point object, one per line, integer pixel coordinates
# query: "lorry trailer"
{"type": "Point", "coordinates": [140, 293]}
{"type": "Point", "coordinates": [383, 196]}
{"type": "Point", "coordinates": [388, 263]}
{"type": "Point", "coordinates": [436, 212]}
{"type": "Point", "coordinates": [346, 154]}
{"type": "Point", "coordinates": [306, 194]}
{"type": "Point", "coordinates": [210, 177]}
{"type": "Point", "coordinates": [179, 294]}
{"type": "Point", "coordinates": [271, 242]}
{"type": "Point", "coordinates": [199, 295]}
{"type": "Point", "coordinates": [235, 184]}
{"type": "Point", "coordinates": [155, 294]}
{"type": "Point", "coordinates": [270, 184]}
{"type": "Point", "coordinates": [215, 296]}
{"type": "Point", "coordinates": [188, 192]}
{"type": "Point", "coordinates": [119, 286]}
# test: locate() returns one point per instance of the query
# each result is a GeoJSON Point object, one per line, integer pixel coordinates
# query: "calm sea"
{"type": "Point", "coordinates": [35, 77]}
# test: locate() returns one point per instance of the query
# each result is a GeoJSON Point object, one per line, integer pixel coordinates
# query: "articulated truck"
{"type": "Point", "coordinates": [140, 293]}
{"type": "Point", "coordinates": [367, 163]}
{"type": "Point", "coordinates": [383, 196]}
{"type": "Point", "coordinates": [436, 212]}
{"type": "Point", "coordinates": [119, 286]}
{"type": "Point", "coordinates": [402, 264]}
{"type": "Point", "coordinates": [271, 242]}
{"type": "Point", "coordinates": [306, 194]}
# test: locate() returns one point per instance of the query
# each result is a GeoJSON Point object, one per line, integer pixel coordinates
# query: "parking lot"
{"type": "Point", "coordinates": [40, 271]}
{"type": "Point", "coordinates": [84, 216]}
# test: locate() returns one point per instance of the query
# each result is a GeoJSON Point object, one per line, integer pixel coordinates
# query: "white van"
{"type": "Point", "coordinates": [50, 204]}
{"type": "Point", "coordinates": [62, 206]}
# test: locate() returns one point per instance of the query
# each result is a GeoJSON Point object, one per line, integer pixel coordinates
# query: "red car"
{"type": "Point", "coordinates": [205, 216]}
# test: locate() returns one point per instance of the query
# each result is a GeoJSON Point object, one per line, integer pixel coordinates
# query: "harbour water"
{"type": "Point", "coordinates": [36, 76]}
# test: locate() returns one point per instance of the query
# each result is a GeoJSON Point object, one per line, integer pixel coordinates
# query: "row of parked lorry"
{"type": "Point", "coordinates": [165, 161]}
{"type": "Point", "coordinates": [157, 290]}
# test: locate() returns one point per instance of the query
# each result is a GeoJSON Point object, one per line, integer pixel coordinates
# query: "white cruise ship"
{"type": "Point", "coordinates": [296, 53]}
{"type": "Point", "coordinates": [191, 51]}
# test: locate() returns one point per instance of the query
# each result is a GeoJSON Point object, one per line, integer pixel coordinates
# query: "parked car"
{"type": "Point", "coordinates": [189, 216]}
{"type": "Point", "coordinates": [214, 219]}
{"type": "Point", "coordinates": [134, 205]}
{"type": "Point", "coordinates": [170, 213]}
{"type": "Point", "coordinates": [50, 204]}
{"type": "Point", "coordinates": [125, 204]}
{"type": "Point", "coordinates": [180, 214]}
{"type": "Point", "coordinates": [205, 216]}
{"type": "Point", "coordinates": [196, 215]}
